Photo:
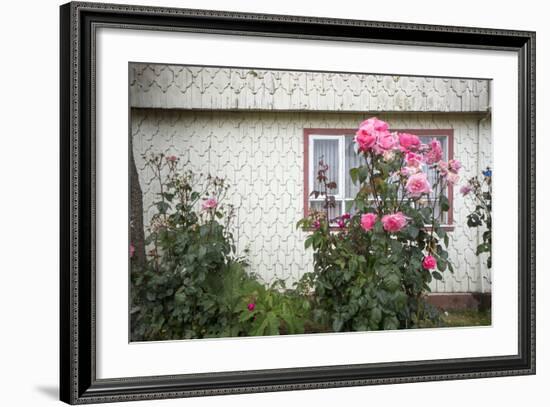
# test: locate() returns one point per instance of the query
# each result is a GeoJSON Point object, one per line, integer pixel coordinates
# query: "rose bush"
{"type": "Point", "coordinates": [373, 272]}
{"type": "Point", "coordinates": [193, 285]}
{"type": "Point", "coordinates": [481, 194]}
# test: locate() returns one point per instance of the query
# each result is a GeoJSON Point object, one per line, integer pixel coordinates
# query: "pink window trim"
{"type": "Point", "coordinates": [449, 133]}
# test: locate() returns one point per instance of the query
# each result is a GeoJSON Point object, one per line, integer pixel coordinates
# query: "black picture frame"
{"type": "Point", "coordinates": [78, 382]}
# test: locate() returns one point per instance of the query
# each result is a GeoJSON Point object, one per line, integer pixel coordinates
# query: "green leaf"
{"type": "Point", "coordinates": [413, 231]}
{"type": "Point", "coordinates": [426, 214]}
{"type": "Point", "coordinates": [272, 326]}
{"type": "Point", "coordinates": [375, 316]}
{"type": "Point", "coordinates": [437, 275]}
{"type": "Point", "coordinates": [451, 269]}
{"type": "Point", "coordinates": [391, 323]}
{"type": "Point", "coordinates": [444, 203]}
{"type": "Point", "coordinates": [363, 173]}
{"type": "Point", "coordinates": [168, 196]}
{"type": "Point", "coordinates": [162, 207]}
{"type": "Point", "coordinates": [354, 174]}
{"type": "Point", "coordinates": [392, 281]}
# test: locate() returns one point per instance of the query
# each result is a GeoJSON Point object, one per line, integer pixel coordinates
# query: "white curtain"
{"type": "Point", "coordinates": [326, 150]}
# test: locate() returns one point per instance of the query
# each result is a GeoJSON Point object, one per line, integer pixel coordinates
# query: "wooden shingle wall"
{"type": "Point", "coordinates": [208, 88]}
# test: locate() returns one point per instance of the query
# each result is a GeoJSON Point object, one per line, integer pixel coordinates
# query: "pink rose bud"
{"type": "Point", "coordinates": [210, 203]}
{"type": "Point", "coordinates": [455, 165]}
{"type": "Point", "coordinates": [316, 224]}
{"type": "Point", "coordinates": [251, 306]}
{"type": "Point", "coordinates": [465, 189]}
{"type": "Point", "coordinates": [452, 178]}
{"type": "Point", "coordinates": [443, 168]}
{"type": "Point", "coordinates": [429, 262]}
{"type": "Point", "coordinates": [171, 158]}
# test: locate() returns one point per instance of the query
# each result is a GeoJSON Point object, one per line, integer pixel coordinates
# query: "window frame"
{"type": "Point", "coordinates": [310, 134]}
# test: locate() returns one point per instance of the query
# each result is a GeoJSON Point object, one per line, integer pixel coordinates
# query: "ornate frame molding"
{"type": "Point", "coordinates": [78, 383]}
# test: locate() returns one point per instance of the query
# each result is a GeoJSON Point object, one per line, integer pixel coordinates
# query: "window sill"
{"type": "Point", "coordinates": [446, 228]}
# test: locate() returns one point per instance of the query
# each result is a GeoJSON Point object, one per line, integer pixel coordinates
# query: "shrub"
{"type": "Point", "coordinates": [193, 285]}
{"type": "Point", "coordinates": [373, 271]}
{"type": "Point", "coordinates": [177, 294]}
{"type": "Point", "coordinates": [480, 193]}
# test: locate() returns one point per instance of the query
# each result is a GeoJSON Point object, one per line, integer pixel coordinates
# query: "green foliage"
{"type": "Point", "coordinates": [277, 310]}
{"type": "Point", "coordinates": [193, 285]}
{"type": "Point", "coordinates": [480, 193]}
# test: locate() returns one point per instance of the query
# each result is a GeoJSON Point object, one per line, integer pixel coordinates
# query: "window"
{"type": "Point", "coordinates": [336, 148]}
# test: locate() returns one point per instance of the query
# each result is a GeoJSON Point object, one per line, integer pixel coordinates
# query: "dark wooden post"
{"type": "Point", "coordinates": [137, 234]}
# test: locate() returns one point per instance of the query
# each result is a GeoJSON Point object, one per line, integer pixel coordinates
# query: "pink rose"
{"type": "Point", "coordinates": [251, 306]}
{"type": "Point", "coordinates": [370, 131]}
{"type": "Point", "coordinates": [452, 178]}
{"type": "Point", "coordinates": [435, 153]}
{"type": "Point", "coordinates": [418, 184]}
{"type": "Point", "coordinates": [455, 165]}
{"type": "Point", "coordinates": [394, 222]}
{"type": "Point", "coordinates": [368, 220]}
{"type": "Point", "coordinates": [210, 203]}
{"type": "Point", "coordinates": [341, 224]}
{"type": "Point", "coordinates": [346, 216]}
{"type": "Point", "coordinates": [132, 250]}
{"type": "Point", "coordinates": [364, 139]}
{"type": "Point", "coordinates": [375, 124]}
{"type": "Point", "coordinates": [408, 142]}
{"type": "Point", "coordinates": [465, 189]}
{"type": "Point", "coordinates": [316, 224]}
{"type": "Point", "coordinates": [413, 159]}
{"type": "Point", "coordinates": [171, 158]}
{"type": "Point", "coordinates": [429, 262]}
{"type": "Point", "coordinates": [386, 142]}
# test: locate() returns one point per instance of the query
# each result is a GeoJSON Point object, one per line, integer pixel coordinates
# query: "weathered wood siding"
{"type": "Point", "coordinates": [188, 87]}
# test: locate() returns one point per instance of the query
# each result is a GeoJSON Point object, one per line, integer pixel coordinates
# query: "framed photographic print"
{"type": "Point", "coordinates": [256, 203]}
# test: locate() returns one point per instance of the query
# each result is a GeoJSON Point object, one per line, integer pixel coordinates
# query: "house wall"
{"type": "Point", "coordinates": [261, 155]}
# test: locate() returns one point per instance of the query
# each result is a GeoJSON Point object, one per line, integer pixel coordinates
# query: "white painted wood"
{"type": "Point", "coordinates": [210, 88]}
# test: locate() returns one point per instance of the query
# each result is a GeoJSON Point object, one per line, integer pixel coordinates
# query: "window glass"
{"type": "Point", "coordinates": [326, 150]}
{"type": "Point", "coordinates": [332, 212]}
{"type": "Point", "coordinates": [432, 176]}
